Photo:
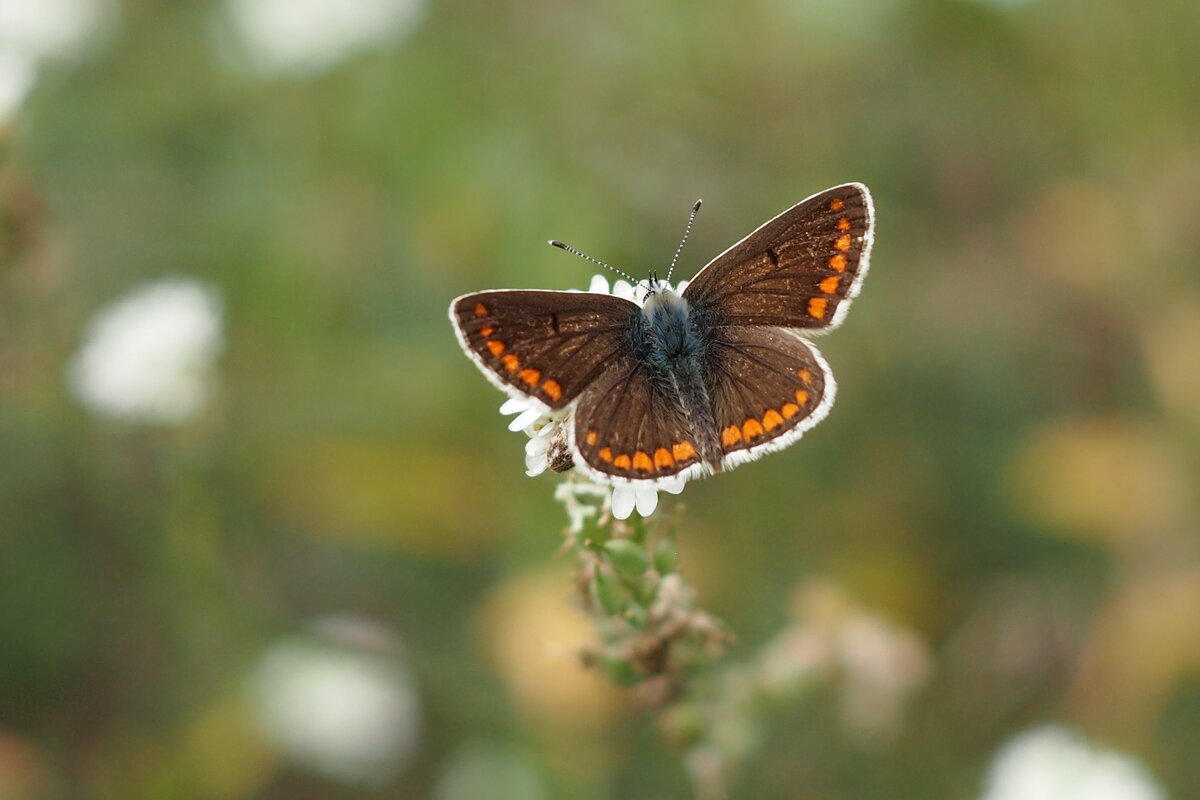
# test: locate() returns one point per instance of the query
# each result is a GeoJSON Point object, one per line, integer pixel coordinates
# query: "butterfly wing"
{"type": "Point", "coordinates": [799, 270]}
{"type": "Point", "coordinates": [768, 387]}
{"type": "Point", "coordinates": [544, 345]}
{"type": "Point", "coordinates": [627, 428]}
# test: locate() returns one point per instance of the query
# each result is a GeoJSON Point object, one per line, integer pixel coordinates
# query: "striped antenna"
{"type": "Point", "coordinates": [686, 232]}
{"type": "Point", "coordinates": [597, 261]}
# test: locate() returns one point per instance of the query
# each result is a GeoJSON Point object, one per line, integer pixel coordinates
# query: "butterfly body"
{"type": "Point", "coordinates": [675, 350]}
{"type": "Point", "coordinates": [685, 384]}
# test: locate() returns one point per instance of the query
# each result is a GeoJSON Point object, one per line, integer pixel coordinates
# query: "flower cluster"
{"type": "Point", "coordinates": [547, 434]}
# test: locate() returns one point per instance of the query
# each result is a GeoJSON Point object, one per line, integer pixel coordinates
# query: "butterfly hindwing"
{"type": "Point", "coordinates": [627, 428]}
{"type": "Point", "coordinates": [768, 386]}
{"type": "Point", "coordinates": [543, 344]}
{"type": "Point", "coordinates": [799, 270]}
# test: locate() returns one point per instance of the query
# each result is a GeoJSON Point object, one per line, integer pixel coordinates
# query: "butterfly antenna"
{"type": "Point", "coordinates": [686, 232]}
{"type": "Point", "coordinates": [597, 261]}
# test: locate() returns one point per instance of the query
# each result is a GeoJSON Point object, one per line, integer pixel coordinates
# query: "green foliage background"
{"type": "Point", "coordinates": [1010, 470]}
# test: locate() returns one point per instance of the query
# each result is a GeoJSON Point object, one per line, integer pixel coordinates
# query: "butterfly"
{"type": "Point", "coordinates": [687, 384]}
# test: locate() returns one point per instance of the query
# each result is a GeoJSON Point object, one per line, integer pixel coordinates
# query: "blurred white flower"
{"type": "Point", "coordinates": [35, 30]}
{"type": "Point", "coordinates": [1052, 763]}
{"type": "Point", "coordinates": [339, 701]}
{"type": "Point", "coordinates": [17, 74]}
{"type": "Point", "coordinates": [303, 37]}
{"type": "Point", "coordinates": [50, 28]}
{"type": "Point", "coordinates": [149, 357]}
{"type": "Point", "coordinates": [544, 428]}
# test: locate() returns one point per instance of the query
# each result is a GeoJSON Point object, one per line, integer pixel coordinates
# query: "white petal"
{"type": "Point", "coordinates": [514, 405]}
{"type": "Point", "coordinates": [673, 485]}
{"type": "Point", "coordinates": [537, 446]}
{"type": "Point", "coordinates": [640, 292]}
{"type": "Point", "coordinates": [535, 455]}
{"type": "Point", "coordinates": [622, 288]}
{"type": "Point", "coordinates": [623, 500]}
{"type": "Point", "coordinates": [599, 285]}
{"type": "Point", "coordinates": [647, 500]}
{"type": "Point", "coordinates": [525, 419]}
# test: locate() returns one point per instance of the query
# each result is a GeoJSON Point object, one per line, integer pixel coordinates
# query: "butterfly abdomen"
{"type": "Point", "coordinates": [675, 354]}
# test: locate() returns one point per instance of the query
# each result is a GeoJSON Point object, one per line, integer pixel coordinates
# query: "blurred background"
{"type": "Point", "coordinates": [264, 535]}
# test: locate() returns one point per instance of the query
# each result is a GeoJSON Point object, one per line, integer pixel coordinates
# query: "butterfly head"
{"type": "Point", "coordinates": [658, 296]}
{"type": "Point", "coordinates": [666, 318]}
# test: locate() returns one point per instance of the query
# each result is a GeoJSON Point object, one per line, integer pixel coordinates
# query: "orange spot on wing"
{"type": "Point", "coordinates": [830, 284]}
{"type": "Point", "coordinates": [804, 375]}
{"type": "Point", "coordinates": [843, 224]}
{"type": "Point", "coordinates": [816, 307]}
{"type": "Point", "coordinates": [510, 362]}
{"type": "Point", "coordinates": [683, 451]}
{"type": "Point", "coordinates": [731, 436]}
{"type": "Point", "coordinates": [772, 420]}
{"type": "Point", "coordinates": [552, 389]}
{"type": "Point", "coordinates": [842, 242]}
{"type": "Point", "coordinates": [622, 461]}
{"type": "Point", "coordinates": [605, 455]}
{"type": "Point", "coordinates": [663, 459]}
{"type": "Point", "coordinates": [642, 461]}
{"type": "Point", "coordinates": [529, 376]}
{"type": "Point", "coordinates": [790, 410]}
{"type": "Point", "coordinates": [751, 428]}
{"type": "Point", "coordinates": [838, 263]}
{"type": "Point", "coordinates": [487, 330]}
{"type": "Point", "coordinates": [496, 346]}
{"type": "Point", "coordinates": [591, 438]}
{"type": "Point", "coordinates": [837, 204]}
{"type": "Point", "coordinates": [802, 397]}
{"type": "Point", "coordinates": [481, 310]}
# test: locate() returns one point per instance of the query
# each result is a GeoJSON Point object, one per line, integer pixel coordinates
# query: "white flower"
{"type": "Point", "coordinates": [43, 29]}
{"type": "Point", "coordinates": [303, 37]}
{"type": "Point", "coordinates": [1052, 763]}
{"type": "Point", "coordinates": [32, 31]}
{"type": "Point", "coordinates": [543, 428]}
{"type": "Point", "coordinates": [339, 701]}
{"type": "Point", "coordinates": [149, 357]}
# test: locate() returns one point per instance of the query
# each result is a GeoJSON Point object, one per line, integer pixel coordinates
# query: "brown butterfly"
{"type": "Point", "coordinates": [692, 383]}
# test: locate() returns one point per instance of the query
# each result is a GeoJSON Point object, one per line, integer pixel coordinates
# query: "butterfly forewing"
{"type": "Point", "coordinates": [542, 344]}
{"type": "Point", "coordinates": [768, 386]}
{"type": "Point", "coordinates": [800, 270]}
{"type": "Point", "coordinates": [628, 427]}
